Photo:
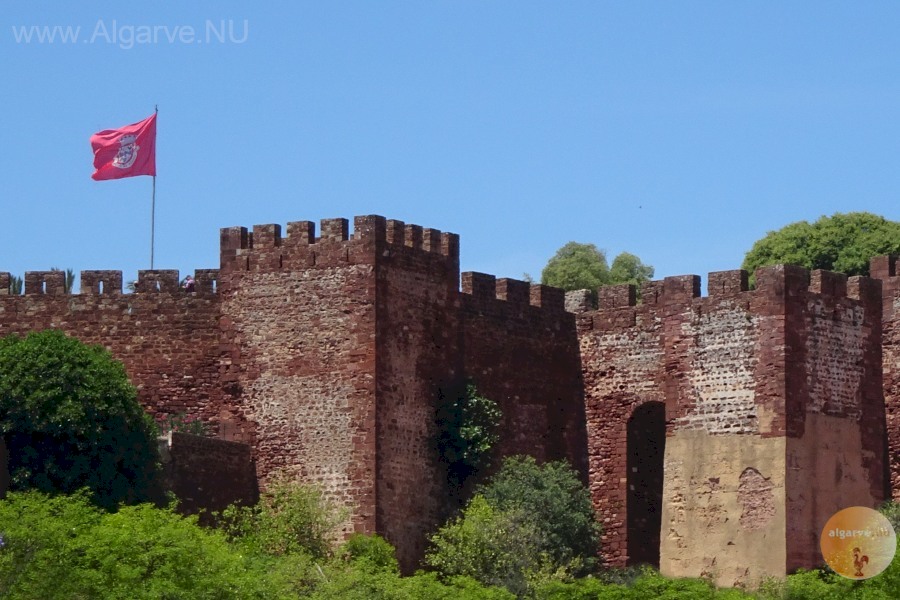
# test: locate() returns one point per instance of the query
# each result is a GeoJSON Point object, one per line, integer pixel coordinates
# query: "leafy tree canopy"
{"type": "Point", "coordinates": [843, 242]}
{"type": "Point", "coordinates": [71, 419]}
{"type": "Point", "coordinates": [64, 547]}
{"type": "Point", "coordinates": [628, 268]}
{"type": "Point", "coordinates": [468, 428]}
{"type": "Point", "coordinates": [498, 548]}
{"type": "Point", "coordinates": [529, 524]}
{"type": "Point", "coordinates": [556, 504]}
{"type": "Point", "coordinates": [578, 266]}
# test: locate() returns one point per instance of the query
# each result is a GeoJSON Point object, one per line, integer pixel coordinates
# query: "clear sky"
{"type": "Point", "coordinates": [678, 131]}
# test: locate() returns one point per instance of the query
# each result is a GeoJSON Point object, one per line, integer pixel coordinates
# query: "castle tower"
{"type": "Point", "coordinates": [885, 269]}
{"type": "Point", "coordinates": [338, 346]}
{"type": "Point", "coordinates": [337, 341]}
{"type": "Point", "coordinates": [728, 429]}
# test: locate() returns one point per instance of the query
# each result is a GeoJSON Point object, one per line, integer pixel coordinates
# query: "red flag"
{"type": "Point", "coordinates": [125, 152]}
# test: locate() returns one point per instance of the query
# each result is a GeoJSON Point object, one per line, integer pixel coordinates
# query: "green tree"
{"type": "Point", "coordinates": [71, 419]}
{"type": "Point", "coordinates": [497, 548]}
{"type": "Point", "coordinates": [530, 524]}
{"type": "Point", "coordinates": [468, 427]}
{"type": "Point", "coordinates": [843, 242]}
{"type": "Point", "coordinates": [578, 266]}
{"type": "Point", "coordinates": [628, 268]}
{"type": "Point", "coordinates": [556, 503]}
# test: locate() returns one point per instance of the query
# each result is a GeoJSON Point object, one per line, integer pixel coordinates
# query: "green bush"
{"type": "Point", "coordinates": [371, 552]}
{"type": "Point", "coordinates": [586, 588]}
{"type": "Point", "coordinates": [63, 547]}
{"type": "Point", "coordinates": [493, 547]}
{"type": "Point", "coordinates": [891, 510]}
{"type": "Point", "coordinates": [556, 504]}
{"type": "Point", "coordinates": [71, 420]}
{"type": "Point", "coordinates": [43, 538]}
{"type": "Point", "coordinates": [427, 586]}
{"type": "Point", "coordinates": [290, 518]}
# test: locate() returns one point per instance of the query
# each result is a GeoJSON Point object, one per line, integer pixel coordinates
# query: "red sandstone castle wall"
{"type": "Point", "coordinates": [835, 407]}
{"type": "Point", "coordinates": [520, 348]}
{"type": "Point", "coordinates": [743, 366]}
{"type": "Point", "coordinates": [299, 316]}
{"type": "Point", "coordinates": [417, 353]}
{"type": "Point", "coordinates": [206, 474]}
{"type": "Point", "coordinates": [326, 353]}
{"type": "Point", "coordinates": [167, 339]}
{"type": "Point", "coordinates": [884, 268]}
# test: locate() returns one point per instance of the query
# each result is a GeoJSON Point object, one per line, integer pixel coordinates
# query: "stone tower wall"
{"type": "Point", "coordinates": [743, 375]}
{"type": "Point", "coordinates": [299, 316]}
{"type": "Point", "coordinates": [417, 353]}
{"type": "Point", "coordinates": [885, 269]}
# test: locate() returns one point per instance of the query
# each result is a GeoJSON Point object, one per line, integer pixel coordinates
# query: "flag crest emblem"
{"type": "Point", "coordinates": [128, 151]}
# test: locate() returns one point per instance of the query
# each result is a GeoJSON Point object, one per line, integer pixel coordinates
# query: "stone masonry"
{"type": "Point", "coordinates": [716, 434]}
{"type": "Point", "coordinates": [773, 416]}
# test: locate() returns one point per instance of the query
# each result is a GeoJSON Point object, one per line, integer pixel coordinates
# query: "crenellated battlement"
{"type": "Point", "coordinates": [484, 288]}
{"type": "Point", "coordinates": [780, 281]}
{"type": "Point", "coordinates": [95, 283]}
{"type": "Point", "coordinates": [109, 283]}
{"type": "Point", "coordinates": [264, 248]}
{"type": "Point", "coordinates": [884, 268]}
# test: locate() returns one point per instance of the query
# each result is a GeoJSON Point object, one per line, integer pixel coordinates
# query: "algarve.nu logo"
{"type": "Point", "coordinates": [858, 542]}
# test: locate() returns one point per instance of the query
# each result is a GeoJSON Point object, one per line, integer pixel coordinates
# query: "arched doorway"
{"type": "Point", "coordinates": [646, 447]}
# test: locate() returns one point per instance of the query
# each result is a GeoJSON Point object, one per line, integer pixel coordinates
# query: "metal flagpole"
{"type": "Point", "coordinates": [152, 221]}
{"type": "Point", "coordinates": [153, 206]}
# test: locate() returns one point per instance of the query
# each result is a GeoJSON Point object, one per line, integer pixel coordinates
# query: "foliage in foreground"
{"type": "Point", "coordinates": [64, 547]}
{"type": "Point", "coordinates": [290, 518]}
{"type": "Point", "coordinates": [555, 502]}
{"type": "Point", "coordinates": [71, 420]}
{"type": "Point", "coordinates": [529, 524]}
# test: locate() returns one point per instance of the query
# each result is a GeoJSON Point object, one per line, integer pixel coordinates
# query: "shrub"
{"type": "Point", "coordinates": [290, 518]}
{"type": "Point", "coordinates": [556, 504]}
{"type": "Point", "coordinates": [493, 547]}
{"type": "Point", "coordinates": [372, 552]}
{"type": "Point", "coordinates": [63, 547]}
{"type": "Point", "coordinates": [71, 419]}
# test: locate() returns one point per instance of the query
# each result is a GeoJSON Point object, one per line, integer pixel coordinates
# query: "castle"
{"type": "Point", "coordinates": [717, 434]}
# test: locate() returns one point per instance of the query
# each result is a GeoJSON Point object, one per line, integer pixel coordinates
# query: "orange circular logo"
{"type": "Point", "coordinates": [858, 542]}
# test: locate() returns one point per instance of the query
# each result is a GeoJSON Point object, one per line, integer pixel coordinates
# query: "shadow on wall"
{"type": "Point", "coordinates": [646, 449]}
{"type": "Point", "coordinates": [208, 474]}
{"type": "Point", "coordinates": [4, 469]}
{"type": "Point", "coordinates": [205, 474]}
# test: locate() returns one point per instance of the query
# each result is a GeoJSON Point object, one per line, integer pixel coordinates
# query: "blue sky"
{"type": "Point", "coordinates": [678, 131]}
